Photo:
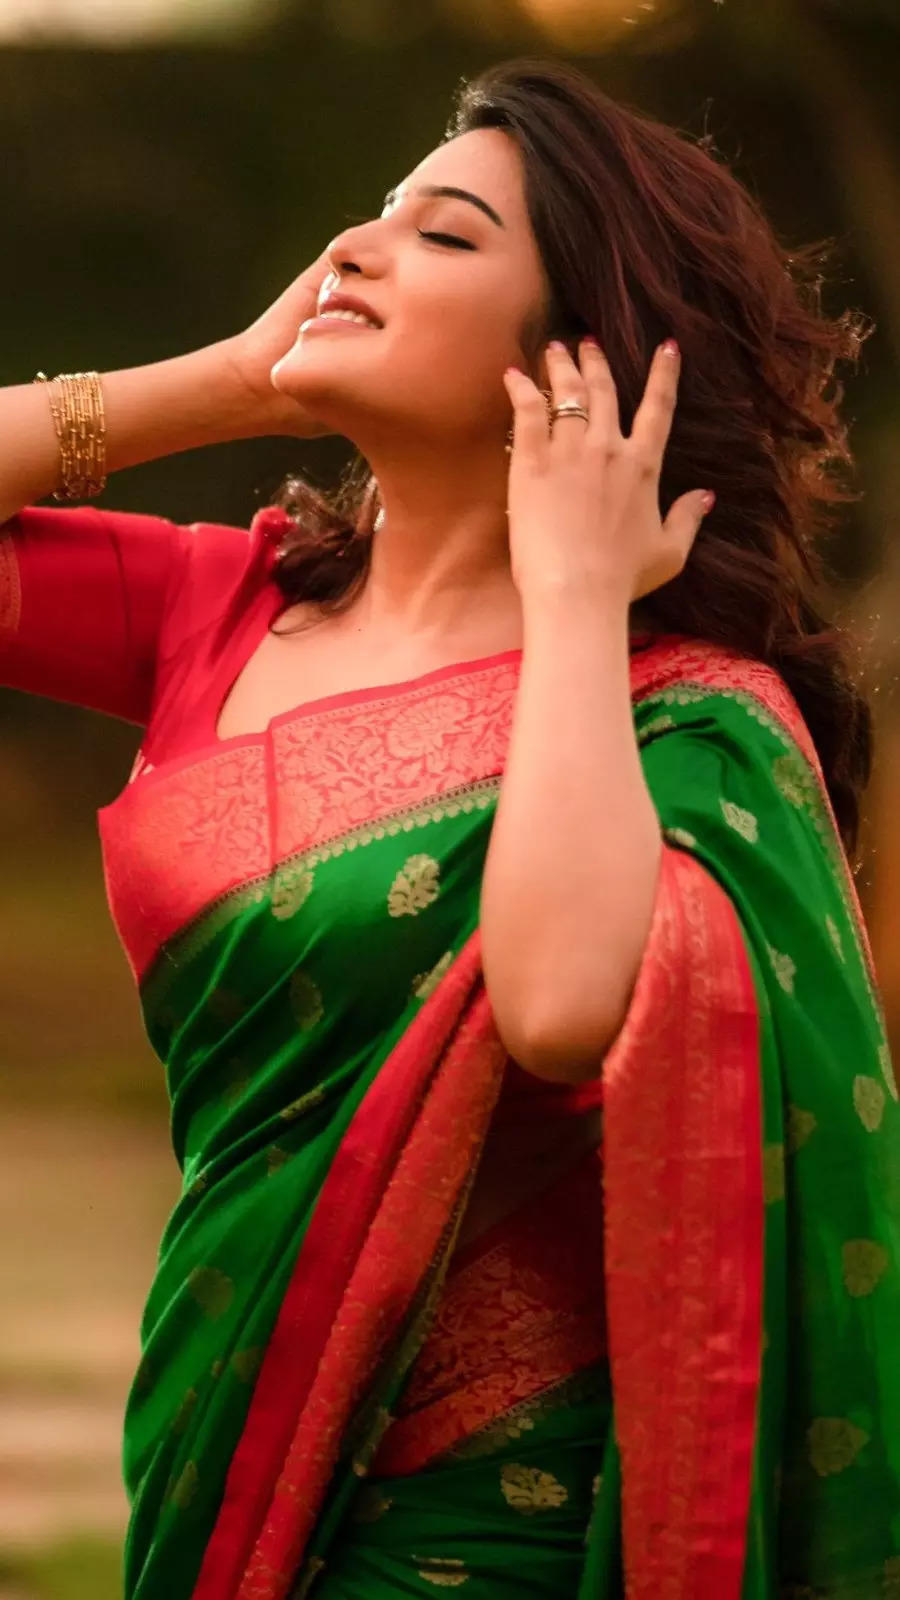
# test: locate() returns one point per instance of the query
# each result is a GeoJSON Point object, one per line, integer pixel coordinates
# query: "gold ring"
{"type": "Point", "coordinates": [570, 408]}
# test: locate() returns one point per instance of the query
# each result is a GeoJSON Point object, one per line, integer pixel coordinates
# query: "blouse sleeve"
{"type": "Point", "coordinates": [84, 595]}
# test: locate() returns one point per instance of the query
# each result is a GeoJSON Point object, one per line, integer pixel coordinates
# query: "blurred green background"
{"type": "Point", "coordinates": [168, 166]}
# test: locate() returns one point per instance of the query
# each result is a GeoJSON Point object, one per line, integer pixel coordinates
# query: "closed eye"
{"type": "Point", "coordinates": [446, 238]}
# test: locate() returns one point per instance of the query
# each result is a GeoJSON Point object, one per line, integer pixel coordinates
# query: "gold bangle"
{"type": "Point", "coordinates": [76, 406]}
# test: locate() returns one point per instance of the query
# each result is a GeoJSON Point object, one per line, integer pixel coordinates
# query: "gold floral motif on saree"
{"type": "Point", "coordinates": [445, 1572]}
{"type": "Point", "coordinates": [868, 1098]}
{"type": "Point", "coordinates": [834, 1443]}
{"type": "Point", "coordinates": [864, 1263]}
{"type": "Point", "coordinates": [529, 1490]}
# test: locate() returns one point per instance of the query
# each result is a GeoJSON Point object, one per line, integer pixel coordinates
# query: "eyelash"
{"type": "Point", "coordinates": [451, 239]}
{"type": "Point", "coordinates": [446, 238]}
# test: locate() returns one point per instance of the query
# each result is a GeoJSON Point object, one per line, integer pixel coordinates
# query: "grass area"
{"type": "Point", "coordinates": [74, 1569]}
{"type": "Point", "coordinates": [88, 1193]}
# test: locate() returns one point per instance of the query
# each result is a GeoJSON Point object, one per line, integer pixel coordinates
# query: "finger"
{"type": "Point", "coordinates": [680, 530]}
{"type": "Point", "coordinates": [566, 379]}
{"type": "Point", "coordinates": [653, 418]}
{"type": "Point", "coordinates": [531, 433]}
{"type": "Point", "coordinates": [603, 401]}
{"type": "Point", "coordinates": [685, 519]}
{"type": "Point", "coordinates": [567, 383]}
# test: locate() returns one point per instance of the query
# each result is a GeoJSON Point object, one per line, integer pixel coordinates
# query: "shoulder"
{"type": "Point", "coordinates": [737, 784]}
{"type": "Point", "coordinates": [222, 568]}
{"type": "Point", "coordinates": [222, 544]}
{"type": "Point", "coordinates": [722, 738]}
{"type": "Point", "coordinates": [692, 684]}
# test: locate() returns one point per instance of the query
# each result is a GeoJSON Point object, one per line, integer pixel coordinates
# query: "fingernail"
{"type": "Point", "coordinates": [707, 500]}
{"type": "Point", "coordinates": [556, 344]}
{"type": "Point", "coordinates": [670, 348]}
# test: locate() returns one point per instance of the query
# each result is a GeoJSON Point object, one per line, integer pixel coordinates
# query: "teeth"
{"type": "Point", "coordinates": [351, 316]}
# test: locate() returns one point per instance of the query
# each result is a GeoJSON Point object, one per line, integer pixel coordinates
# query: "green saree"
{"type": "Point", "coordinates": [671, 1371]}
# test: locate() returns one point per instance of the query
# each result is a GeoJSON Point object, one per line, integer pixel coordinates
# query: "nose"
{"type": "Point", "coordinates": [354, 246]}
{"type": "Point", "coordinates": [341, 256]}
{"type": "Point", "coordinates": [340, 262]}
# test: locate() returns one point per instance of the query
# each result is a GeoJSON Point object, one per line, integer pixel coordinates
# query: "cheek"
{"type": "Point", "coordinates": [460, 345]}
{"type": "Point", "coordinates": [469, 312]}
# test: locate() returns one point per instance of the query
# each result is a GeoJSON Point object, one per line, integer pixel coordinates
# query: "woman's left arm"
{"type": "Point", "coordinates": [573, 862]}
{"type": "Point", "coordinates": [574, 856]}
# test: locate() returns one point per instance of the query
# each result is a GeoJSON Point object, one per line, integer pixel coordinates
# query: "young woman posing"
{"type": "Point", "coordinates": [494, 920]}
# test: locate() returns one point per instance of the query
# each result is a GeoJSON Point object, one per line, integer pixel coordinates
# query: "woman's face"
{"type": "Point", "coordinates": [453, 280]}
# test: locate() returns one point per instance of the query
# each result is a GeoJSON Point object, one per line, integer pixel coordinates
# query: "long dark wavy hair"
{"type": "Point", "coordinates": [644, 233]}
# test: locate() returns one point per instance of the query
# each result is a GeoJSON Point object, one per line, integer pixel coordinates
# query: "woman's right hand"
{"type": "Point", "coordinates": [255, 352]}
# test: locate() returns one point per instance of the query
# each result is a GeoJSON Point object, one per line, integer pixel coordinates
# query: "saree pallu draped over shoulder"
{"type": "Point", "coordinates": [671, 1372]}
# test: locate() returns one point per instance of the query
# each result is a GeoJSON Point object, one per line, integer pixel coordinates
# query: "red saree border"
{"type": "Point", "coordinates": [432, 1171]}
{"type": "Point", "coordinates": [191, 833]}
{"type": "Point", "coordinates": [685, 1244]}
{"type": "Point", "coordinates": [377, 1225]}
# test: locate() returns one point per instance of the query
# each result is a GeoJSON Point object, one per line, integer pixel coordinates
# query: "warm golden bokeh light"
{"type": "Point", "coordinates": [580, 23]}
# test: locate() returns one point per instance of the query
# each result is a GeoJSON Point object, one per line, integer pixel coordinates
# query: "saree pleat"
{"type": "Point", "coordinates": [733, 1430]}
{"type": "Point", "coordinates": [392, 1249]}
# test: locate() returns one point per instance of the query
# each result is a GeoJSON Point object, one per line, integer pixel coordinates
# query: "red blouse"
{"type": "Point", "coordinates": [151, 621]}
{"type": "Point", "coordinates": [133, 615]}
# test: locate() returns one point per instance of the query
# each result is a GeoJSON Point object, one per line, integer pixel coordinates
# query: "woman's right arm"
{"type": "Point", "coordinates": [85, 592]}
{"type": "Point", "coordinates": [210, 396]}
{"type": "Point", "coordinates": [150, 411]}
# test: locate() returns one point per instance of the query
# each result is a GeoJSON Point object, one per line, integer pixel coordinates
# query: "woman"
{"type": "Point", "coordinates": [539, 1228]}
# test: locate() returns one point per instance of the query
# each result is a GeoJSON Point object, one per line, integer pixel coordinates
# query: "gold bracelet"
{"type": "Point", "coordinates": [76, 406]}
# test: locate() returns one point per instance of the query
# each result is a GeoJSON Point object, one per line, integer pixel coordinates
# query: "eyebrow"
{"type": "Point", "coordinates": [436, 190]}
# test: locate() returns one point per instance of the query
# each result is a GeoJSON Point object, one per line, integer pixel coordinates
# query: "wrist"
{"type": "Point", "coordinates": [250, 409]}
{"type": "Point", "coordinates": [181, 403]}
{"type": "Point", "coordinates": [565, 598]}
{"type": "Point", "coordinates": [264, 409]}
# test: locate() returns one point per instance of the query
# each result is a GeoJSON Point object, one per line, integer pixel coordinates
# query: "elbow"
{"type": "Point", "coordinates": [569, 1049]}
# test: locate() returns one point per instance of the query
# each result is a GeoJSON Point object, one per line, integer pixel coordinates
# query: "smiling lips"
{"type": "Point", "coordinates": [331, 318]}
{"type": "Point", "coordinates": [338, 301]}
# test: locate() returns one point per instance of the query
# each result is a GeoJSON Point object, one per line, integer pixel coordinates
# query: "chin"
{"type": "Point", "coordinates": [329, 403]}
{"type": "Point", "coordinates": [287, 376]}
{"type": "Point", "coordinates": [303, 378]}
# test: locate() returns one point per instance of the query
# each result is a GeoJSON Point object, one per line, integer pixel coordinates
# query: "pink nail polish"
{"type": "Point", "coordinates": [708, 500]}
{"type": "Point", "coordinates": [670, 348]}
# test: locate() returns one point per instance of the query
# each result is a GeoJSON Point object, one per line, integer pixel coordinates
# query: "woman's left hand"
{"type": "Point", "coordinates": [584, 501]}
